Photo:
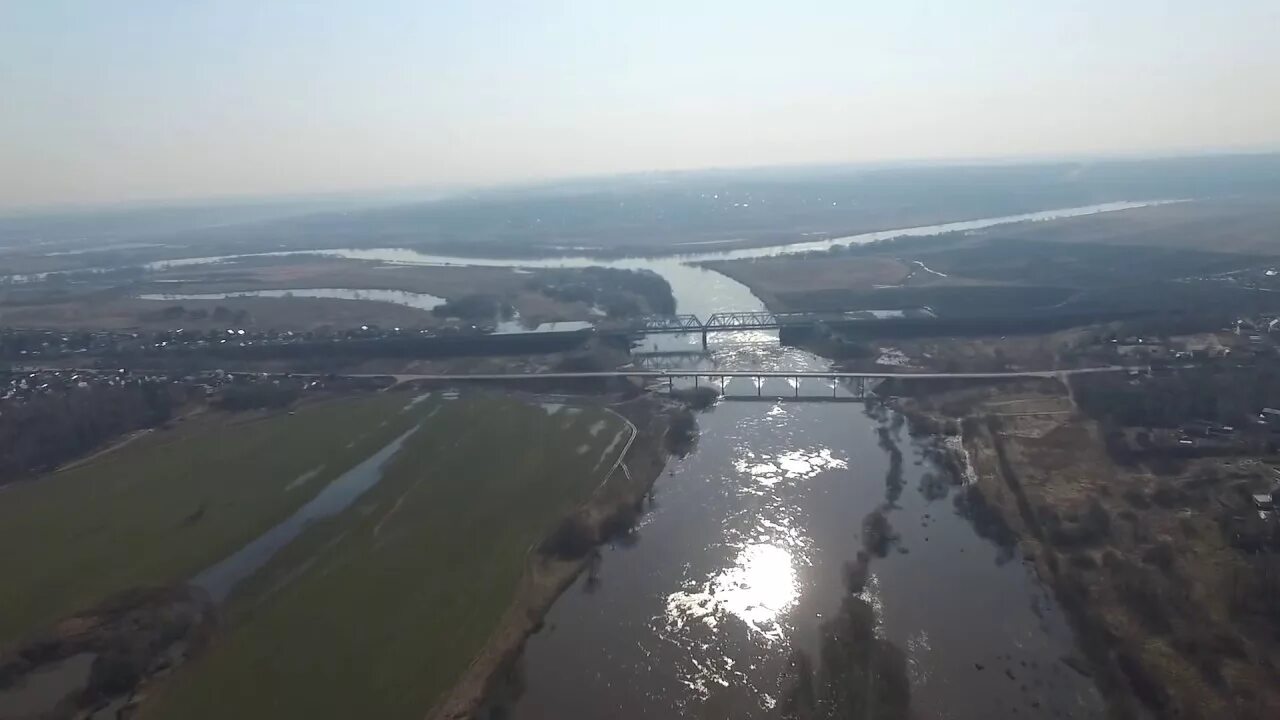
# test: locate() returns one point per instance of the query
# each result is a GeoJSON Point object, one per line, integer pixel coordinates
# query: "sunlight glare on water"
{"type": "Point", "coordinates": [790, 465]}
{"type": "Point", "coordinates": [761, 582]}
{"type": "Point", "coordinates": [757, 589]}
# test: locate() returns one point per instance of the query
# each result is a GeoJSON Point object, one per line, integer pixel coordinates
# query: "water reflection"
{"type": "Point", "coordinates": [757, 589]}
{"type": "Point", "coordinates": [798, 464]}
{"type": "Point", "coordinates": [748, 561]}
{"type": "Point", "coordinates": [421, 301]}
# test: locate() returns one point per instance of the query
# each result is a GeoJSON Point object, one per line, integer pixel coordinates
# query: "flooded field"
{"type": "Point", "coordinates": [175, 502]}
{"type": "Point", "coordinates": [421, 301]}
{"type": "Point", "coordinates": [221, 578]}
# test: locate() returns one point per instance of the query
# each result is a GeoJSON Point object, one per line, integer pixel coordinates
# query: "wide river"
{"type": "Point", "coordinates": [741, 558]}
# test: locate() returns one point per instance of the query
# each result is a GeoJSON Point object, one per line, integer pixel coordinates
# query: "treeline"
{"type": "Point", "coordinates": [853, 332]}
{"type": "Point", "coordinates": [320, 353]}
{"type": "Point", "coordinates": [477, 306]}
{"type": "Point", "coordinates": [1228, 395]}
{"type": "Point", "coordinates": [221, 313]}
{"type": "Point", "coordinates": [620, 293]}
{"type": "Point", "coordinates": [46, 431]}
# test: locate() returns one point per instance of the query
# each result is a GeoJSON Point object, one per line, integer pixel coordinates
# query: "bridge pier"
{"type": "Point", "coordinates": [704, 340]}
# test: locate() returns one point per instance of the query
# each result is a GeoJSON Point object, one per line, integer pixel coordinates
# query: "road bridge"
{"type": "Point", "coordinates": [642, 374]}
{"type": "Point", "coordinates": [859, 383]}
{"type": "Point", "coordinates": [762, 373]}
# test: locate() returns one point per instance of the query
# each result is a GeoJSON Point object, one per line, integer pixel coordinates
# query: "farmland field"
{"type": "Point", "coordinates": [377, 611]}
{"type": "Point", "coordinates": [159, 510]}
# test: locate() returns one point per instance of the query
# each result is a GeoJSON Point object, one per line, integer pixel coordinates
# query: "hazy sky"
{"type": "Point", "coordinates": [108, 101]}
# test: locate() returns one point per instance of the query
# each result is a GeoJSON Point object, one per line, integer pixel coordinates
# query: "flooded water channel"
{"type": "Point", "coordinates": [221, 578]}
{"type": "Point", "coordinates": [421, 301]}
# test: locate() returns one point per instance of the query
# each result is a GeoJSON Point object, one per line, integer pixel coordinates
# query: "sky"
{"type": "Point", "coordinates": [108, 102]}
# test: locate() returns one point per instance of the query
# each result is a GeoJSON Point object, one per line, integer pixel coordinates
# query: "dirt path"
{"type": "Point", "coordinates": [106, 450]}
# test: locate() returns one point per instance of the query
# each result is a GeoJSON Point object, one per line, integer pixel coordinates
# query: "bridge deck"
{"type": "Point", "coordinates": [828, 374]}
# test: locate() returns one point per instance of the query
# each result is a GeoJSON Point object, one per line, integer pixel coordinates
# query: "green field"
{"type": "Point", "coordinates": [377, 611]}
{"type": "Point", "coordinates": [162, 508]}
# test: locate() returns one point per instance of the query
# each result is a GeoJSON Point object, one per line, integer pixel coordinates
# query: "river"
{"type": "Point", "coordinates": [741, 558]}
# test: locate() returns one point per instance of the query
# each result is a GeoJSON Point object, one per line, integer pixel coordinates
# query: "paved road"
{"type": "Point", "coordinates": [663, 374]}
{"type": "Point", "coordinates": [831, 374]}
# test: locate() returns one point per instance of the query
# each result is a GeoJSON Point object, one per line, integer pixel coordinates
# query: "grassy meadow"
{"type": "Point", "coordinates": [377, 611]}
{"type": "Point", "coordinates": [162, 508]}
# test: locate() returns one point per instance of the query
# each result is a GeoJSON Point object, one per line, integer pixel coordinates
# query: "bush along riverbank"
{"type": "Point", "coordinates": [1147, 561]}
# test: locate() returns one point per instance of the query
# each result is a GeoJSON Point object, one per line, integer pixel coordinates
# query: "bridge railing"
{"type": "Point", "coordinates": [741, 320]}
{"type": "Point", "coordinates": [671, 322]}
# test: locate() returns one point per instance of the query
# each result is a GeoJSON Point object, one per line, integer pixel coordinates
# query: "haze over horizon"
{"type": "Point", "coordinates": [154, 100]}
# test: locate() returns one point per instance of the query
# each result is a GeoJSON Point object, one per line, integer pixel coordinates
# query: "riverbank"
{"type": "Point", "coordinates": [1136, 556]}
{"type": "Point", "coordinates": [308, 292]}
{"type": "Point", "coordinates": [433, 573]}
{"type": "Point", "coordinates": [557, 561]}
{"type": "Point", "coordinates": [97, 662]}
{"type": "Point", "coordinates": [484, 513]}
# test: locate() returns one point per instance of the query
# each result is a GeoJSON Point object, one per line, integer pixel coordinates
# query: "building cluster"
{"type": "Point", "coordinates": [23, 386]}
{"type": "Point", "coordinates": [18, 387]}
{"type": "Point", "coordinates": [33, 345]}
{"type": "Point", "coordinates": [1244, 339]}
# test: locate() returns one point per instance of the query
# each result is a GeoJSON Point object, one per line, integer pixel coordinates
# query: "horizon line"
{"type": "Point", "coordinates": [427, 193]}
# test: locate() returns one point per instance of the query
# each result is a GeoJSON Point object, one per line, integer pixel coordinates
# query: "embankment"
{"type": "Point", "coordinates": [1137, 561]}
